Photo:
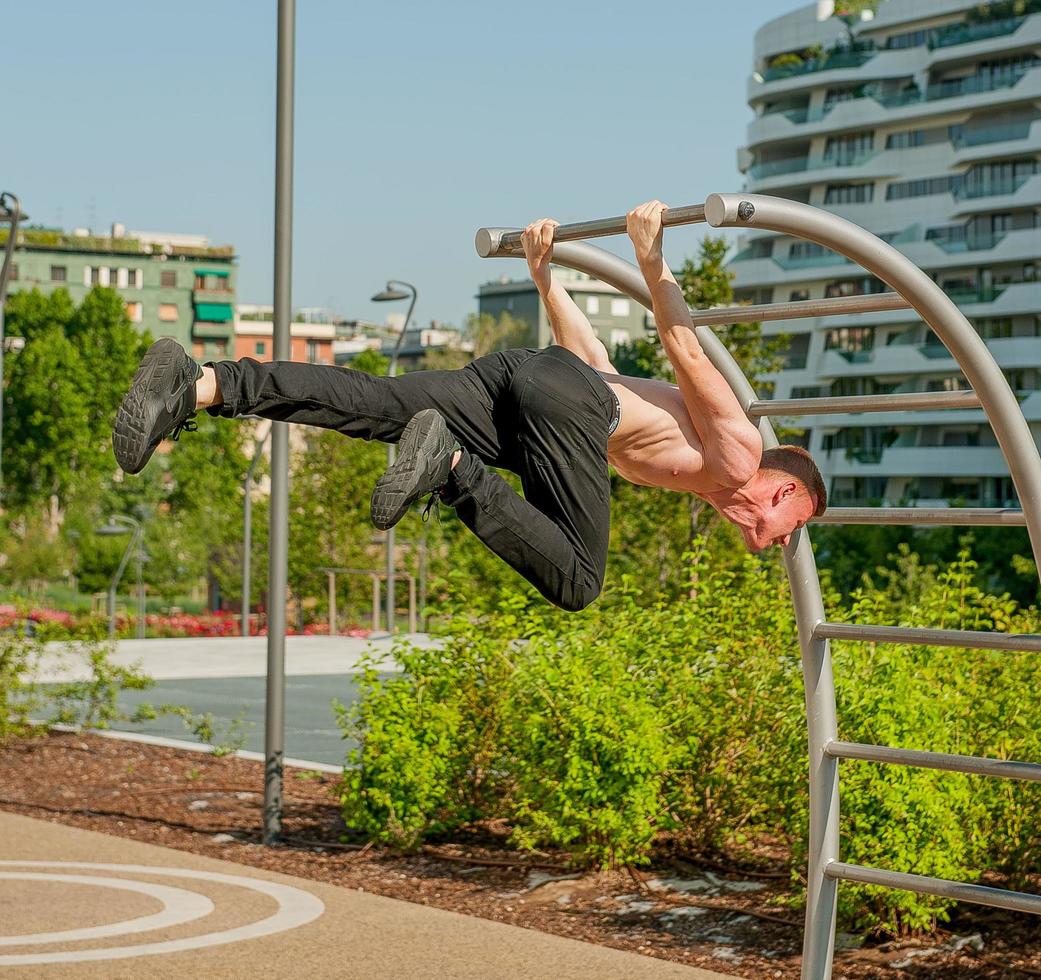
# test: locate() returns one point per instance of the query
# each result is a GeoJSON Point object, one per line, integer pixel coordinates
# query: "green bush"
{"type": "Point", "coordinates": [637, 725]}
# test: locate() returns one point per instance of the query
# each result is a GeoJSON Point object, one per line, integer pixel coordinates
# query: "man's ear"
{"type": "Point", "coordinates": [784, 491]}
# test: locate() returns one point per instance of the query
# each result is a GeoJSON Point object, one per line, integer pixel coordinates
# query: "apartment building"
{"type": "Point", "coordinates": [173, 285]}
{"type": "Point", "coordinates": [921, 123]}
{"type": "Point", "coordinates": [615, 318]}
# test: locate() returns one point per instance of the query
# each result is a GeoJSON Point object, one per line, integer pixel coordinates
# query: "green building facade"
{"type": "Point", "coordinates": [173, 285]}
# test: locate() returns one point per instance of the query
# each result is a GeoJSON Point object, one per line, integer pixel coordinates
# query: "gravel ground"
{"type": "Point", "coordinates": [723, 919]}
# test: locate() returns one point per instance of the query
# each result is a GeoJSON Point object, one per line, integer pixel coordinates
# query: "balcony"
{"type": "Point", "coordinates": [973, 85]}
{"type": "Point", "coordinates": [946, 37]}
{"type": "Point", "coordinates": [955, 243]}
{"type": "Point", "coordinates": [992, 134]}
{"type": "Point", "coordinates": [836, 58]}
{"type": "Point", "coordinates": [990, 188]}
{"type": "Point", "coordinates": [975, 294]}
{"type": "Point", "coordinates": [792, 165]}
{"type": "Point", "coordinates": [812, 261]}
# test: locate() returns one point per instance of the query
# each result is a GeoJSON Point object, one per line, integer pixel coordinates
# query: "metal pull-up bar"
{"type": "Point", "coordinates": [491, 242]}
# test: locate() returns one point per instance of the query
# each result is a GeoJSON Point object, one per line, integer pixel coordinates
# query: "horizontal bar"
{"type": "Point", "coordinates": [924, 516]}
{"type": "Point", "coordinates": [976, 765]}
{"type": "Point", "coordinates": [874, 303]}
{"type": "Point", "coordinates": [999, 898]}
{"type": "Point", "coordinates": [491, 242]}
{"type": "Point", "coordinates": [969, 639]}
{"type": "Point", "coordinates": [826, 405]}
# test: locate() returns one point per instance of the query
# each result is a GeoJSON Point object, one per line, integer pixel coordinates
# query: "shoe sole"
{"type": "Point", "coordinates": [130, 432]}
{"type": "Point", "coordinates": [396, 490]}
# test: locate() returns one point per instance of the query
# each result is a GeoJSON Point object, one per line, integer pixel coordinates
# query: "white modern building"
{"type": "Point", "coordinates": [921, 123]}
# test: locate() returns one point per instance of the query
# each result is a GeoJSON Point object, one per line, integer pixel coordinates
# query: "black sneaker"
{"type": "Point", "coordinates": [423, 463]}
{"type": "Point", "coordinates": [159, 404]}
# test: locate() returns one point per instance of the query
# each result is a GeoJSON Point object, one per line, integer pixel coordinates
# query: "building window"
{"type": "Point", "coordinates": [905, 140]}
{"type": "Point", "coordinates": [12, 274]}
{"type": "Point", "coordinates": [798, 295]}
{"type": "Point", "coordinates": [260, 347]}
{"type": "Point", "coordinates": [168, 279]}
{"type": "Point", "coordinates": [134, 312]}
{"type": "Point", "coordinates": [134, 278]}
{"type": "Point", "coordinates": [593, 305]}
{"type": "Point", "coordinates": [211, 282]}
{"type": "Point", "coordinates": [849, 193]}
{"type": "Point", "coordinates": [221, 348]}
{"type": "Point", "coordinates": [954, 382]}
{"type": "Point", "coordinates": [168, 312]}
{"type": "Point", "coordinates": [312, 351]}
{"type": "Point", "coordinates": [58, 273]}
{"type": "Point", "coordinates": [619, 337]}
{"type": "Point", "coordinates": [198, 350]}
{"type": "Point", "coordinates": [921, 188]}
{"type": "Point", "coordinates": [847, 149]}
{"type": "Point", "coordinates": [851, 340]}
{"type": "Point", "coordinates": [619, 307]}
{"type": "Point", "coordinates": [122, 278]}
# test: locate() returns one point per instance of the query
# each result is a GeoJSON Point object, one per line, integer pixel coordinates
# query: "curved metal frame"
{"type": "Point", "coordinates": [1002, 411]}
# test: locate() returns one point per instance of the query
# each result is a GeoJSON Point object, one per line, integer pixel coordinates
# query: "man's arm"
{"type": "Point", "coordinates": [732, 446]}
{"type": "Point", "coordinates": [570, 327]}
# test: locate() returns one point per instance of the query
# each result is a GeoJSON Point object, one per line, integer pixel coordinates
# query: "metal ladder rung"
{"type": "Point", "coordinates": [999, 898]}
{"type": "Point", "coordinates": [977, 765]}
{"type": "Point", "coordinates": [924, 516]}
{"type": "Point", "coordinates": [969, 639]}
{"type": "Point", "coordinates": [827, 405]}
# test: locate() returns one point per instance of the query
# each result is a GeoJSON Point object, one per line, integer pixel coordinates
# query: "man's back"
{"type": "Point", "coordinates": [656, 444]}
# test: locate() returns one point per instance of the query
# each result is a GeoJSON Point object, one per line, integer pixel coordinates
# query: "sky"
{"type": "Point", "coordinates": [416, 123]}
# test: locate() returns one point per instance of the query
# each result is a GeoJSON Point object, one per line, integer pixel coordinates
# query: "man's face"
{"type": "Point", "coordinates": [780, 521]}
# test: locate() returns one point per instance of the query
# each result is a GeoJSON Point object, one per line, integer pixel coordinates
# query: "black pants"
{"type": "Point", "coordinates": [545, 415]}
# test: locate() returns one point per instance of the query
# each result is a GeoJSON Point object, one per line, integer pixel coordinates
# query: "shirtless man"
{"type": "Point", "coordinates": [556, 417]}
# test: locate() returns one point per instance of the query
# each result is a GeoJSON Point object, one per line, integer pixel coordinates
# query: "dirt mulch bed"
{"type": "Point", "coordinates": [727, 920]}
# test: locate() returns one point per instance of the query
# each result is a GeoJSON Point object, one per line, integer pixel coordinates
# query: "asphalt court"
{"type": "Point", "coordinates": [86, 906]}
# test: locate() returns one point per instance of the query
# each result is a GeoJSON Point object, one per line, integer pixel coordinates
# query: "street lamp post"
{"type": "Point", "coordinates": [120, 524]}
{"type": "Point", "coordinates": [392, 293]}
{"type": "Point", "coordinates": [11, 213]}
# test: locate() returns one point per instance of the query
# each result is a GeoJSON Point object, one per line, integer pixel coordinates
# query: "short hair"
{"type": "Point", "coordinates": [796, 462]}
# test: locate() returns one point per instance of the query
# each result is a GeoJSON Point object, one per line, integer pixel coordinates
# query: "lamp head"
{"type": "Point", "coordinates": [389, 294]}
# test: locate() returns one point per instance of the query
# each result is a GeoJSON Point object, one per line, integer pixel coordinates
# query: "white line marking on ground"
{"type": "Point", "coordinates": [179, 906]}
{"type": "Point", "coordinates": [296, 907]}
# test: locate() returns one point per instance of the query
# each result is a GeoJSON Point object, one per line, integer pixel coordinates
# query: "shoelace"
{"type": "Point", "coordinates": [188, 425]}
{"type": "Point", "coordinates": [433, 504]}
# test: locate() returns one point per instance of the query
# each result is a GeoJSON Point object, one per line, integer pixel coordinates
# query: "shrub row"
{"type": "Point", "coordinates": [632, 726]}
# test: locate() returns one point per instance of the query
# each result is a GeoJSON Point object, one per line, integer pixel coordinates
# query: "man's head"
{"type": "Point", "coordinates": [785, 493]}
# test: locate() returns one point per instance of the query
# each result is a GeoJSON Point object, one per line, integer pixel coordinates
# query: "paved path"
{"type": "Point", "coordinates": [85, 906]}
{"type": "Point", "coordinates": [225, 677]}
{"type": "Point", "coordinates": [230, 656]}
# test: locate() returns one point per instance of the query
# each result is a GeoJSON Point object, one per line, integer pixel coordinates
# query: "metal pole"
{"type": "Point", "coordinates": [13, 214]}
{"type": "Point", "coordinates": [278, 556]}
{"type": "Point", "coordinates": [375, 603]}
{"type": "Point", "coordinates": [247, 552]}
{"type": "Point", "coordinates": [140, 586]}
{"type": "Point", "coordinates": [332, 604]}
{"type": "Point", "coordinates": [423, 579]}
{"type": "Point", "coordinates": [247, 533]}
{"type": "Point", "coordinates": [412, 604]}
{"type": "Point", "coordinates": [114, 584]}
{"type": "Point", "coordinates": [392, 371]}
{"type": "Point", "coordinates": [499, 241]}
